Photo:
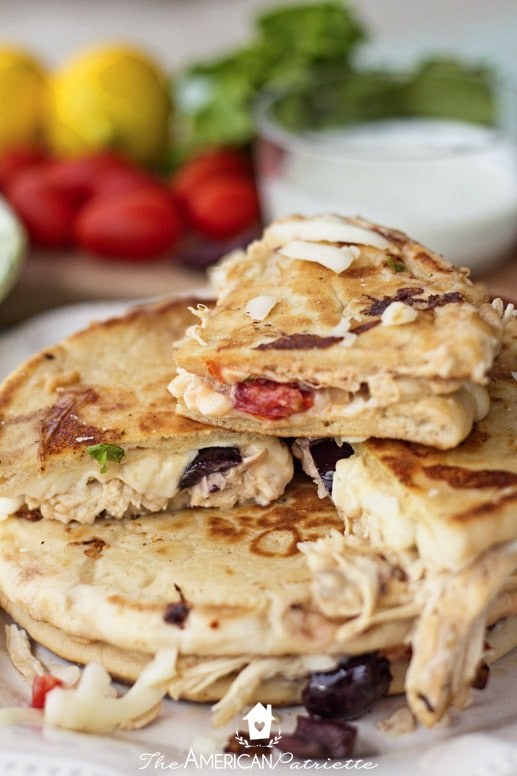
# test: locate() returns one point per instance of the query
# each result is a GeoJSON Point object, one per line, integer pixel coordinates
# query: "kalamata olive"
{"type": "Point", "coordinates": [208, 461]}
{"type": "Point", "coordinates": [318, 739]}
{"type": "Point", "coordinates": [325, 454]}
{"type": "Point", "coordinates": [350, 690]}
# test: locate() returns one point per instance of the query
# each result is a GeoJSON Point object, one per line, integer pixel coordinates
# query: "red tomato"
{"type": "Point", "coordinates": [41, 685]}
{"type": "Point", "coordinates": [137, 225]}
{"type": "Point", "coordinates": [216, 162]}
{"type": "Point", "coordinates": [268, 399]}
{"type": "Point", "coordinates": [46, 209]}
{"type": "Point", "coordinates": [15, 161]}
{"type": "Point", "coordinates": [80, 176]}
{"type": "Point", "coordinates": [224, 207]}
{"type": "Point", "coordinates": [114, 182]}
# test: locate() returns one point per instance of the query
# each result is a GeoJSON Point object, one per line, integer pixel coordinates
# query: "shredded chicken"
{"type": "Point", "coordinates": [362, 585]}
{"type": "Point", "coordinates": [244, 686]}
{"type": "Point", "coordinates": [448, 639]}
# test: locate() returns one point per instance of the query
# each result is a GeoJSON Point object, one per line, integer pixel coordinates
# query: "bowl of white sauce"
{"type": "Point", "coordinates": [435, 158]}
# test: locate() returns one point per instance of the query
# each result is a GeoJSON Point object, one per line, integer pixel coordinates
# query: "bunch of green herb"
{"type": "Point", "coordinates": [298, 46]}
{"type": "Point", "coordinates": [214, 100]}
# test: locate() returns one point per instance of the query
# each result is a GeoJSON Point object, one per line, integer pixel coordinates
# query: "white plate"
{"type": "Point", "coordinates": [481, 741]}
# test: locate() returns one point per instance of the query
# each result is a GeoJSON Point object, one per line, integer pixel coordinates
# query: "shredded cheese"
{"type": "Point", "coordinates": [330, 256]}
{"type": "Point", "coordinates": [89, 708]}
{"type": "Point", "coordinates": [259, 307]}
{"type": "Point", "coordinates": [329, 228]}
{"type": "Point", "coordinates": [397, 314]}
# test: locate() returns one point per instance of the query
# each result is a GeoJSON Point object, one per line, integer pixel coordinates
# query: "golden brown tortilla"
{"type": "Point", "coordinates": [108, 385]}
{"type": "Point", "coordinates": [389, 347]}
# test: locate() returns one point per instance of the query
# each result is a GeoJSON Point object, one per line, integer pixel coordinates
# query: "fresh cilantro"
{"type": "Point", "coordinates": [396, 266]}
{"type": "Point", "coordinates": [105, 452]}
{"type": "Point", "coordinates": [215, 101]}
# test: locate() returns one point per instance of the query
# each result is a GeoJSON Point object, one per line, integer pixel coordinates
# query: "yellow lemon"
{"type": "Point", "coordinates": [109, 97]}
{"type": "Point", "coordinates": [22, 98]}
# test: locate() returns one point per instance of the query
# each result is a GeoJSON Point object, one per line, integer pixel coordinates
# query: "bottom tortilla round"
{"type": "Point", "coordinates": [126, 666]}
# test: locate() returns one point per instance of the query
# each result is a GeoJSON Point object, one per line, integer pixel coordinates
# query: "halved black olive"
{"type": "Point", "coordinates": [207, 461]}
{"type": "Point", "coordinates": [325, 454]}
{"type": "Point", "coordinates": [319, 739]}
{"type": "Point", "coordinates": [350, 690]}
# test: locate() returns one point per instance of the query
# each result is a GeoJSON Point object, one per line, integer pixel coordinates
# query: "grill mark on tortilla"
{"type": "Point", "coordinates": [440, 300]}
{"type": "Point", "coordinates": [222, 528]}
{"type": "Point", "coordinates": [406, 468]}
{"type": "Point", "coordinates": [62, 429]}
{"type": "Point", "coordinates": [459, 477]}
{"type": "Point", "coordinates": [486, 508]}
{"type": "Point", "coordinates": [409, 296]}
{"type": "Point", "coordinates": [362, 327]}
{"type": "Point", "coordinates": [93, 547]}
{"type": "Point", "coordinates": [299, 342]}
{"type": "Point", "coordinates": [430, 264]}
{"type": "Point", "coordinates": [359, 272]}
{"type": "Point", "coordinates": [378, 305]}
{"type": "Point", "coordinates": [279, 542]}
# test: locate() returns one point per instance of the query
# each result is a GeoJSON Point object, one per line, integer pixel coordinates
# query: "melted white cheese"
{"type": "Point", "coordinates": [324, 228]}
{"type": "Point", "coordinates": [397, 314]}
{"type": "Point", "coordinates": [330, 256]}
{"type": "Point", "coordinates": [89, 707]}
{"type": "Point", "coordinates": [259, 307]}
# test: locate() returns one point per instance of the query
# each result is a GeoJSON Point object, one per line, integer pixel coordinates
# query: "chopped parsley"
{"type": "Point", "coordinates": [105, 452]}
{"type": "Point", "coordinates": [396, 266]}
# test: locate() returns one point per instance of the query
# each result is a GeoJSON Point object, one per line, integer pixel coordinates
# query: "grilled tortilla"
{"type": "Point", "coordinates": [254, 599]}
{"type": "Point", "coordinates": [337, 326]}
{"type": "Point", "coordinates": [451, 505]}
{"type": "Point", "coordinates": [455, 512]}
{"type": "Point", "coordinates": [88, 428]}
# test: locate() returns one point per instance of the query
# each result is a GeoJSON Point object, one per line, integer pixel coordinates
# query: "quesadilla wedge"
{"type": "Point", "coordinates": [332, 326]}
{"type": "Point", "coordinates": [457, 511]}
{"type": "Point", "coordinates": [257, 601]}
{"type": "Point", "coordinates": [88, 428]}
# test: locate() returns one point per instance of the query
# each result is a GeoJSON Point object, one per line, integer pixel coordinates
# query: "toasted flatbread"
{"type": "Point", "coordinates": [88, 428]}
{"type": "Point", "coordinates": [451, 505]}
{"type": "Point", "coordinates": [337, 326]}
{"type": "Point", "coordinates": [254, 599]}
{"type": "Point", "coordinates": [455, 511]}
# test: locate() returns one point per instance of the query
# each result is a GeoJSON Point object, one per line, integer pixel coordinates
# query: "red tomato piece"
{"type": "Point", "coordinates": [15, 161]}
{"type": "Point", "coordinates": [80, 176]}
{"type": "Point", "coordinates": [268, 399]}
{"type": "Point", "coordinates": [224, 206]}
{"type": "Point", "coordinates": [116, 181]}
{"type": "Point", "coordinates": [41, 685]}
{"type": "Point", "coordinates": [138, 225]}
{"type": "Point", "coordinates": [207, 165]}
{"type": "Point", "coordinates": [47, 211]}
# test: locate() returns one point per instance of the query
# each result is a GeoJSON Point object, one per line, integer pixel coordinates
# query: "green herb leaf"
{"type": "Point", "coordinates": [396, 266]}
{"type": "Point", "coordinates": [215, 100]}
{"type": "Point", "coordinates": [105, 452]}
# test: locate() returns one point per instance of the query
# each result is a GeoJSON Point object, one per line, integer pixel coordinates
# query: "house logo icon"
{"type": "Point", "coordinates": [259, 719]}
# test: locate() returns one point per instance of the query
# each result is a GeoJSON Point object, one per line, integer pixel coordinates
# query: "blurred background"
{"type": "Point", "coordinates": [200, 62]}
{"type": "Point", "coordinates": [180, 31]}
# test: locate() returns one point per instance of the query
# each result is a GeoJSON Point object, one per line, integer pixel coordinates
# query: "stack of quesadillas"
{"type": "Point", "coordinates": [135, 521]}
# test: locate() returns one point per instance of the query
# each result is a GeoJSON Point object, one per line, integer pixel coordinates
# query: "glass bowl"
{"type": "Point", "coordinates": [433, 156]}
{"type": "Point", "coordinates": [13, 247]}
